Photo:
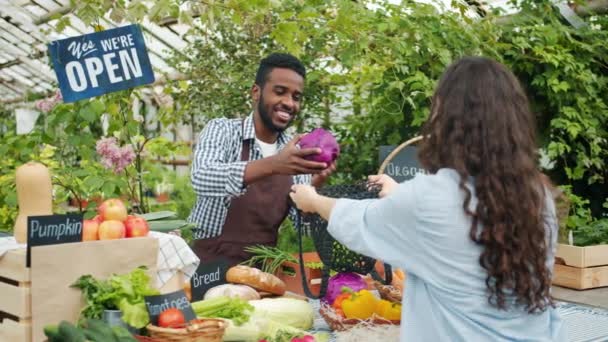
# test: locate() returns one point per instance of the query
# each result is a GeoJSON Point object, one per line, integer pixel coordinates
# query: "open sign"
{"type": "Point", "coordinates": [101, 62]}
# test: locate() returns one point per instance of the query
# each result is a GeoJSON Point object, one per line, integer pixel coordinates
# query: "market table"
{"type": "Point", "coordinates": [583, 323]}
{"type": "Point", "coordinates": [592, 297]}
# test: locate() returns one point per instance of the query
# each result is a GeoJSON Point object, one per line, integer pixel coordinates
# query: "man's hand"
{"type": "Point", "coordinates": [386, 183]}
{"type": "Point", "coordinates": [319, 179]}
{"type": "Point", "coordinates": [290, 160]}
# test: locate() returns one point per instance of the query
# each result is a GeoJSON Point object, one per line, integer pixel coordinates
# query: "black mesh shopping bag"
{"type": "Point", "coordinates": [334, 255]}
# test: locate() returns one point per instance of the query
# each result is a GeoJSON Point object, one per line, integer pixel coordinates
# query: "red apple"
{"type": "Point", "coordinates": [136, 226]}
{"type": "Point", "coordinates": [113, 209]}
{"type": "Point", "coordinates": [97, 218]}
{"type": "Point", "coordinates": [89, 230]}
{"type": "Point", "coordinates": [111, 229]}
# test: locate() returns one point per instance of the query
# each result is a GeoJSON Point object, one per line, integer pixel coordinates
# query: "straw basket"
{"type": "Point", "coordinates": [389, 292]}
{"type": "Point", "coordinates": [337, 323]}
{"type": "Point", "coordinates": [200, 330]}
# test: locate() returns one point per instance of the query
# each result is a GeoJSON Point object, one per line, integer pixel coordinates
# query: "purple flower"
{"type": "Point", "coordinates": [46, 105]}
{"type": "Point", "coordinates": [113, 156]}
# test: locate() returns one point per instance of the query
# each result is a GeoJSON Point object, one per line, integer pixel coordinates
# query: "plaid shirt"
{"type": "Point", "coordinates": [217, 171]}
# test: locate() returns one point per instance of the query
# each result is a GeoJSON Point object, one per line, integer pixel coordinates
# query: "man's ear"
{"type": "Point", "coordinates": [256, 91]}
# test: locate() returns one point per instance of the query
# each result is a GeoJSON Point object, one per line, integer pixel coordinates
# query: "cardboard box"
{"type": "Point", "coordinates": [31, 298]}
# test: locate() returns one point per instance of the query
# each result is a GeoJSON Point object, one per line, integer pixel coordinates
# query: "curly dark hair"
{"type": "Point", "coordinates": [278, 60]}
{"type": "Point", "coordinates": [481, 125]}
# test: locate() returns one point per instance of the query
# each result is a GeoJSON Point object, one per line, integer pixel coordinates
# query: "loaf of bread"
{"type": "Point", "coordinates": [255, 278]}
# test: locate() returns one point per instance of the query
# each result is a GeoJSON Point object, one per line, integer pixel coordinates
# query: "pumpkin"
{"type": "Point", "coordinates": [34, 196]}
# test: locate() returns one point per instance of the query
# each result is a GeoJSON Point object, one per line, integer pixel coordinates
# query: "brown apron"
{"type": "Point", "coordinates": [253, 219]}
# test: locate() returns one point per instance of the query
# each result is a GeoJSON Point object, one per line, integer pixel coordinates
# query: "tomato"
{"type": "Point", "coordinates": [171, 318]}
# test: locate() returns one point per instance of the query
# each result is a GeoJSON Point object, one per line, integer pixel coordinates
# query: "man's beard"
{"type": "Point", "coordinates": [266, 119]}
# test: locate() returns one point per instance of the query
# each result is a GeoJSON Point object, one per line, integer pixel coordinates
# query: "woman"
{"type": "Point", "coordinates": [477, 234]}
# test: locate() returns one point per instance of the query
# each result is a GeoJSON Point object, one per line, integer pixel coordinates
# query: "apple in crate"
{"type": "Point", "coordinates": [112, 209]}
{"type": "Point", "coordinates": [97, 218]}
{"type": "Point", "coordinates": [136, 226]}
{"type": "Point", "coordinates": [90, 230]}
{"type": "Point", "coordinates": [112, 229]}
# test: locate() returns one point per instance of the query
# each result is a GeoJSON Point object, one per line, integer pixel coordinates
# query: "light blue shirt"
{"type": "Point", "coordinates": [422, 228]}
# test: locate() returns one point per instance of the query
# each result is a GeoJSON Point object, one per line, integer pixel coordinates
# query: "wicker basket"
{"type": "Point", "coordinates": [200, 330]}
{"type": "Point", "coordinates": [389, 292]}
{"type": "Point", "coordinates": [341, 324]}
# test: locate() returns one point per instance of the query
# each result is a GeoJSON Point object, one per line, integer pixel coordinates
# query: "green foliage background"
{"type": "Point", "coordinates": [377, 63]}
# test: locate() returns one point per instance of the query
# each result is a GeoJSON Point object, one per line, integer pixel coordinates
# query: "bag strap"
{"type": "Point", "coordinates": [325, 271]}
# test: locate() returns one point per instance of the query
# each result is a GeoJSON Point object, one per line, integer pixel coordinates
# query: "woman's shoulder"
{"type": "Point", "coordinates": [442, 180]}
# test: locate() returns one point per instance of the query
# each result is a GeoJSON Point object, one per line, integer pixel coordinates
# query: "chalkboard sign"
{"type": "Point", "coordinates": [157, 304]}
{"type": "Point", "coordinates": [52, 230]}
{"type": "Point", "coordinates": [101, 62]}
{"type": "Point", "coordinates": [208, 275]}
{"type": "Point", "coordinates": [404, 165]}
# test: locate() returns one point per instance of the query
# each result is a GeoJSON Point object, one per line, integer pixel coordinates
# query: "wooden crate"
{"type": "Point", "coordinates": [581, 267]}
{"type": "Point", "coordinates": [15, 298]}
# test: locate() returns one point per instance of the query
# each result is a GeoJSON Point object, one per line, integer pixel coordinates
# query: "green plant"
{"type": "Point", "coordinates": [268, 259]}
{"type": "Point", "coordinates": [377, 65]}
{"type": "Point", "coordinates": [287, 240]}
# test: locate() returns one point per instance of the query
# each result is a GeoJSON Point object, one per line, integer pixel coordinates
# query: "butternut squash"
{"type": "Point", "coordinates": [34, 195]}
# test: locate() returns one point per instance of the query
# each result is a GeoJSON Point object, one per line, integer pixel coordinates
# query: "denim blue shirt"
{"type": "Point", "coordinates": [422, 228]}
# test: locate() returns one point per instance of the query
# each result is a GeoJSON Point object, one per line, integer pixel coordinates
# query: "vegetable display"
{"type": "Point", "coordinates": [389, 310]}
{"type": "Point", "coordinates": [119, 292]}
{"type": "Point", "coordinates": [360, 305]}
{"type": "Point", "coordinates": [293, 312]}
{"type": "Point", "coordinates": [171, 318]}
{"type": "Point", "coordinates": [337, 282]}
{"type": "Point", "coordinates": [268, 258]}
{"type": "Point", "coordinates": [330, 149]}
{"type": "Point", "coordinates": [91, 330]}
{"type": "Point", "coordinates": [234, 309]}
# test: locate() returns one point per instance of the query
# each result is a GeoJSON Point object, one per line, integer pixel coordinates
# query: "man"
{"type": "Point", "coordinates": [243, 169]}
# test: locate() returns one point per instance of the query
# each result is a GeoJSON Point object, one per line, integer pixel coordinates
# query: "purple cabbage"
{"type": "Point", "coordinates": [348, 279]}
{"type": "Point", "coordinates": [330, 150]}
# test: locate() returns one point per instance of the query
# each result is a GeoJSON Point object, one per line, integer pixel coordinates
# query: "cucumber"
{"type": "Point", "coordinates": [52, 332]}
{"type": "Point", "coordinates": [70, 333]}
{"type": "Point", "coordinates": [100, 330]}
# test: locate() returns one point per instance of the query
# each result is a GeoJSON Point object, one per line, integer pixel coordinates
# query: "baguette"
{"type": "Point", "coordinates": [255, 278]}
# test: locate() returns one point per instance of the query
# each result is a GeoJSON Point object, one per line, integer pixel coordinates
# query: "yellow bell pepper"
{"type": "Point", "coordinates": [361, 305]}
{"type": "Point", "coordinates": [389, 310]}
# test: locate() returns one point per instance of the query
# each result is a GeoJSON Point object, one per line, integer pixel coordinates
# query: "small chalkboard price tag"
{"type": "Point", "coordinates": [404, 166]}
{"type": "Point", "coordinates": [157, 304]}
{"type": "Point", "coordinates": [52, 230]}
{"type": "Point", "coordinates": [207, 276]}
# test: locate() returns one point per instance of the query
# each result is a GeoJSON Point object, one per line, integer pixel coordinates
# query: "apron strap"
{"type": "Point", "coordinates": [246, 144]}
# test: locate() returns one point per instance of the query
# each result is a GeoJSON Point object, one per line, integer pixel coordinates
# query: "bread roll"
{"type": "Point", "coordinates": [255, 278]}
{"type": "Point", "coordinates": [232, 291]}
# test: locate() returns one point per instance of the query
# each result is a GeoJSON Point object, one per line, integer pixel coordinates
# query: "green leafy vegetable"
{"type": "Point", "coordinates": [119, 292]}
{"type": "Point", "coordinates": [267, 258]}
{"type": "Point", "coordinates": [234, 309]}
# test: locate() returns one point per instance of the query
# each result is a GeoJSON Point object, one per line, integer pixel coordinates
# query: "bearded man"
{"type": "Point", "coordinates": [243, 169]}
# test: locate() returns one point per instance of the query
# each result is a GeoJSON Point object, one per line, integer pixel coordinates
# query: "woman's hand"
{"type": "Point", "coordinates": [386, 183]}
{"type": "Point", "coordinates": [304, 196]}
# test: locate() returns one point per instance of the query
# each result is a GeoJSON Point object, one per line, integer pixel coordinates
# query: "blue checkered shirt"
{"type": "Point", "coordinates": [217, 171]}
